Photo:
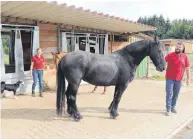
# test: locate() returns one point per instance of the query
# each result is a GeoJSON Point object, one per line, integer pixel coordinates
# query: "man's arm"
{"type": "Point", "coordinates": [188, 72]}
{"type": "Point", "coordinates": [43, 62]}
{"type": "Point", "coordinates": [188, 75]}
{"type": "Point", "coordinates": [187, 65]}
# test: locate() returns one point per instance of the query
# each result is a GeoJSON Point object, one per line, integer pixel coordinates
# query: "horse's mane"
{"type": "Point", "coordinates": [133, 45]}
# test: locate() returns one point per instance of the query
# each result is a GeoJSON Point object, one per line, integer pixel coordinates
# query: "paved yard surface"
{"type": "Point", "coordinates": [141, 114]}
{"type": "Point", "coordinates": [186, 132]}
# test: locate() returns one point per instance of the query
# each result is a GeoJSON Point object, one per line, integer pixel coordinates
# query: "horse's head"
{"type": "Point", "coordinates": [156, 54]}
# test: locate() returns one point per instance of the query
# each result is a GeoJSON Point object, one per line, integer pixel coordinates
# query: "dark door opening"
{"type": "Point", "coordinates": [82, 44]}
{"type": "Point", "coordinates": [26, 38]}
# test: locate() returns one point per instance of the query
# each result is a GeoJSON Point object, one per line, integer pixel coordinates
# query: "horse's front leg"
{"type": "Point", "coordinates": [105, 89]}
{"type": "Point", "coordinates": [117, 97]}
{"type": "Point", "coordinates": [71, 102]}
{"type": "Point", "coordinates": [110, 107]}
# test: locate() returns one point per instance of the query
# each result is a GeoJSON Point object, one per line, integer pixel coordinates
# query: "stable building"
{"type": "Point", "coordinates": [28, 25]}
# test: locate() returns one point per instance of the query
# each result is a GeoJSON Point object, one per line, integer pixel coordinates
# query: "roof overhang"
{"type": "Point", "coordinates": [62, 14]}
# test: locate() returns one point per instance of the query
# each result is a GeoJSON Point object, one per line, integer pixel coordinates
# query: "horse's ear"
{"type": "Point", "coordinates": [156, 39]}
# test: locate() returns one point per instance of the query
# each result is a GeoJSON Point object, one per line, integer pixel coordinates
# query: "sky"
{"type": "Point", "coordinates": [133, 9]}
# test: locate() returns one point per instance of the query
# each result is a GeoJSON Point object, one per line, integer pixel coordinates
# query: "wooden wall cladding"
{"type": "Point", "coordinates": [48, 35]}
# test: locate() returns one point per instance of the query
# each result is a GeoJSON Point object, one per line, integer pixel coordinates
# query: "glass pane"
{"type": "Point", "coordinates": [7, 43]}
{"type": "Point", "coordinates": [82, 43]}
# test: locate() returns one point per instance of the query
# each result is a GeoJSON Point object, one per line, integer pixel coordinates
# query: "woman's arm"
{"type": "Point", "coordinates": [31, 68]}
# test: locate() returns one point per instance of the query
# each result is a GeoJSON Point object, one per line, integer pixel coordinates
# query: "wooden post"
{"type": "Point", "coordinates": [111, 39]}
{"type": "Point", "coordinates": [147, 75]}
{"type": "Point", "coordinates": [58, 39]}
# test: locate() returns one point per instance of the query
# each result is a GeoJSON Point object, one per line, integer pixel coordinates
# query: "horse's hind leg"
{"type": "Point", "coordinates": [71, 101]}
{"type": "Point", "coordinates": [69, 106]}
{"type": "Point", "coordinates": [105, 89]}
{"type": "Point", "coordinates": [94, 89]}
{"type": "Point", "coordinates": [116, 100]}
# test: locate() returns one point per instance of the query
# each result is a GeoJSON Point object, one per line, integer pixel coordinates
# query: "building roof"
{"type": "Point", "coordinates": [144, 36]}
{"type": "Point", "coordinates": [62, 14]}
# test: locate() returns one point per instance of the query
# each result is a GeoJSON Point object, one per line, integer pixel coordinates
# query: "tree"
{"type": "Point", "coordinates": [179, 29]}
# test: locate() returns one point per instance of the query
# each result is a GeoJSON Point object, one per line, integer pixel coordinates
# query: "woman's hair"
{"type": "Point", "coordinates": [180, 43]}
{"type": "Point", "coordinates": [38, 49]}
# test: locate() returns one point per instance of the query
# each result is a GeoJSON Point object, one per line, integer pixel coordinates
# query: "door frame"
{"type": "Point", "coordinates": [24, 75]}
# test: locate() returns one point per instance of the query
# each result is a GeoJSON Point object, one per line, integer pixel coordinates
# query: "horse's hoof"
{"type": "Point", "coordinates": [77, 117]}
{"type": "Point", "coordinates": [69, 112]}
{"type": "Point", "coordinates": [59, 114]}
{"type": "Point", "coordinates": [113, 115]}
{"type": "Point", "coordinates": [76, 120]}
{"type": "Point", "coordinates": [57, 118]}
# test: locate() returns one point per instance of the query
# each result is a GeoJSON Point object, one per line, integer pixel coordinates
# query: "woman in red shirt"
{"type": "Point", "coordinates": [177, 63]}
{"type": "Point", "coordinates": [36, 71]}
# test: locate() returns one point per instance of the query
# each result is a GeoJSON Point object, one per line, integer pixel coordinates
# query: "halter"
{"type": "Point", "coordinates": [148, 51]}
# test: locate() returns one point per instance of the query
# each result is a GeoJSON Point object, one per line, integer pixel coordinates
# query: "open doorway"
{"type": "Point", "coordinates": [26, 38]}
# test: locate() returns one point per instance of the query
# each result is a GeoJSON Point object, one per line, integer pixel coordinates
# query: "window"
{"type": "Point", "coordinates": [120, 38]}
{"type": "Point", "coordinates": [70, 44]}
{"type": "Point", "coordinates": [82, 44]}
{"type": "Point", "coordinates": [8, 48]}
{"type": "Point", "coordinates": [83, 41]}
{"type": "Point", "coordinates": [8, 43]}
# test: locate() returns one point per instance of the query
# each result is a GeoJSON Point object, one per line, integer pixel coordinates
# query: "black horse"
{"type": "Point", "coordinates": [116, 69]}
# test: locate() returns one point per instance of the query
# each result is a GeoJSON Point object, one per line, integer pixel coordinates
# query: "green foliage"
{"type": "Point", "coordinates": [158, 77]}
{"type": "Point", "coordinates": [5, 42]}
{"type": "Point", "coordinates": [179, 29]}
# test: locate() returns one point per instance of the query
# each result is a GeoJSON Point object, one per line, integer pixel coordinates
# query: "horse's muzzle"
{"type": "Point", "coordinates": [160, 69]}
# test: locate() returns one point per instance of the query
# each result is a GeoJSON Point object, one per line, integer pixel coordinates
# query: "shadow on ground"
{"type": "Point", "coordinates": [49, 114]}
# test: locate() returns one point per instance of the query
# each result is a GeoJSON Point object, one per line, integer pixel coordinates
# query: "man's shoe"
{"type": "Point", "coordinates": [168, 113]}
{"type": "Point", "coordinates": [33, 94]}
{"type": "Point", "coordinates": [173, 110]}
{"type": "Point", "coordinates": [41, 95]}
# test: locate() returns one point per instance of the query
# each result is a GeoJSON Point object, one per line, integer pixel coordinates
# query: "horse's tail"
{"type": "Point", "coordinates": [61, 88]}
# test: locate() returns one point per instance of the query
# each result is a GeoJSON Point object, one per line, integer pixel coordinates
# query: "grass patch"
{"type": "Point", "coordinates": [158, 77]}
{"type": "Point", "coordinates": [6, 59]}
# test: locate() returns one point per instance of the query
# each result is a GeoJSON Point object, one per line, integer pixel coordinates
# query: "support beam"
{"type": "Point", "coordinates": [17, 20]}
